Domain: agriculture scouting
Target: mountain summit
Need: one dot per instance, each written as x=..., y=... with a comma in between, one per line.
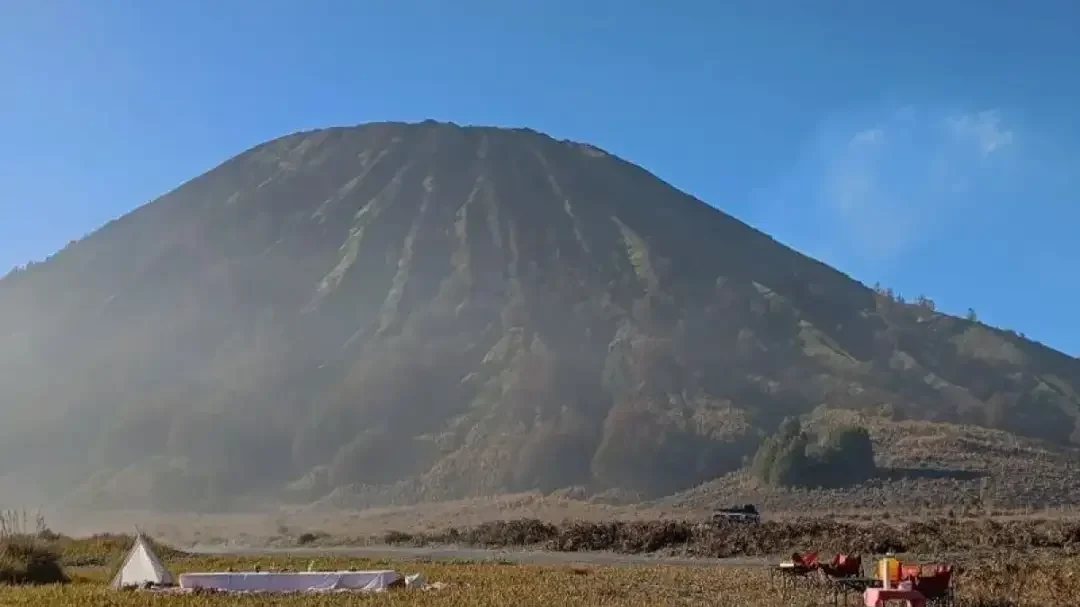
x=425, y=311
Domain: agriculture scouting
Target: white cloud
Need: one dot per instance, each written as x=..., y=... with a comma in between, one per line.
x=888, y=185
x=871, y=188
x=983, y=129
x=858, y=201
x=868, y=137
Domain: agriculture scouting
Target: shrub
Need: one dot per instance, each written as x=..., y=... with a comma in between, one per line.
x=397, y=537
x=733, y=539
x=308, y=538
x=27, y=556
x=28, y=560
x=761, y=468
x=790, y=465
x=843, y=456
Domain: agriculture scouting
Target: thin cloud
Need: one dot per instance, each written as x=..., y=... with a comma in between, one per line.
x=902, y=179
x=868, y=137
x=982, y=129
x=870, y=188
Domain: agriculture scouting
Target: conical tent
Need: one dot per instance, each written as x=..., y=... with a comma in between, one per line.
x=142, y=566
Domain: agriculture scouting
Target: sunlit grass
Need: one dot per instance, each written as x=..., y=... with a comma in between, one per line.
x=466, y=584
x=1007, y=581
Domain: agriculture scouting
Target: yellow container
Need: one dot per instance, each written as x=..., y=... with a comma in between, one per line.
x=889, y=571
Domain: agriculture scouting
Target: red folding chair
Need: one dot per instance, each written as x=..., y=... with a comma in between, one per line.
x=808, y=560
x=937, y=586
x=844, y=565
x=910, y=571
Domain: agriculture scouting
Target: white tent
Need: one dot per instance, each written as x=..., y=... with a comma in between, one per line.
x=142, y=566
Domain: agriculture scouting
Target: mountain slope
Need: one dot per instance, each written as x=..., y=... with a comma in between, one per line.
x=402, y=312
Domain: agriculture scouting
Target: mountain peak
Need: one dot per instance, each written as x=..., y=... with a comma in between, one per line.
x=477, y=310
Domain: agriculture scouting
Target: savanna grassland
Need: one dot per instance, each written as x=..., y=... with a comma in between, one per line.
x=1000, y=563
x=1001, y=582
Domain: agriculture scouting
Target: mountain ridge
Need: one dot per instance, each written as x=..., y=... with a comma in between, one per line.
x=477, y=310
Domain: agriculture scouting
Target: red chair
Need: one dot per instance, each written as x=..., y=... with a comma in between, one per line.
x=808, y=560
x=936, y=587
x=910, y=571
x=800, y=571
x=844, y=565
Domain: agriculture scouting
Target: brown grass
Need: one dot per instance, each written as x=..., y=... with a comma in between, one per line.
x=1006, y=581
x=1001, y=578
x=769, y=538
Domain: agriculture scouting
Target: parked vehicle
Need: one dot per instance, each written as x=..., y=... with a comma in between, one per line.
x=747, y=513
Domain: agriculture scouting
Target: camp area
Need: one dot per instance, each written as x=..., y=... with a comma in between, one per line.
x=138, y=569
x=500, y=582
x=143, y=569
x=846, y=580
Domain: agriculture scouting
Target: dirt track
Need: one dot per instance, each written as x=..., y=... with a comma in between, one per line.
x=479, y=554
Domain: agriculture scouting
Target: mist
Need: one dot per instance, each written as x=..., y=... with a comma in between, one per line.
x=395, y=314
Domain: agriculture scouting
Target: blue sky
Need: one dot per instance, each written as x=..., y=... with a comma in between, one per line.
x=931, y=146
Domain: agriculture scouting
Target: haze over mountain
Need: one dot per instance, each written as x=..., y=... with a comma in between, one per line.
x=424, y=311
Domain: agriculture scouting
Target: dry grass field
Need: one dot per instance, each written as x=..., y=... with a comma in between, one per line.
x=1018, y=563
x=466, y=584
x=1006, y=582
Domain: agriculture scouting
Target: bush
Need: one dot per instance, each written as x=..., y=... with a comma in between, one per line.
x=520, y=532
x=845, y=457
x=842, y=457
x=26, y=559
x=27, y=556
x=397, y=537
x=761, y=468
x=309, y=538
x=734, y=539
x=781, y=458
x=790, y=464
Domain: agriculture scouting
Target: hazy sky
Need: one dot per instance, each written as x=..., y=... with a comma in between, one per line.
x=928, y=145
